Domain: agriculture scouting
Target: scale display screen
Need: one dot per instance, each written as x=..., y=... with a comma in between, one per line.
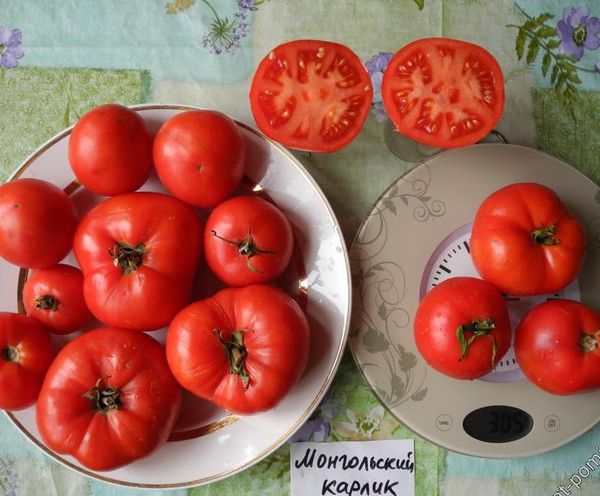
x=498, y=424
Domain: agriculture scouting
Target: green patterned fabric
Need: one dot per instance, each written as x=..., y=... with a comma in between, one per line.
x=76, y=55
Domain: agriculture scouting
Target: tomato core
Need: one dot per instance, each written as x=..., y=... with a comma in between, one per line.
x=103, y=398
x=589, y=342
x=10, y=354
x=46, y=302
x=127, y=257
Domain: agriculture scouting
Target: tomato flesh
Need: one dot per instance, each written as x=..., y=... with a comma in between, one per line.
x=311, y=95
x=442, y=92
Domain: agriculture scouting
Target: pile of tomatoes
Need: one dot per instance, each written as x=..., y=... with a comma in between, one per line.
x=524, y=242
x=112, y=394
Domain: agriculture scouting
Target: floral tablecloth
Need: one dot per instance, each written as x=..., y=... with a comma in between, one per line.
x=59, y=59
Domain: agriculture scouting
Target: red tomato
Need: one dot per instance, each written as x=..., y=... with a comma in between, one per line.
x=138, y=254
x=26, y=352
x=243, y=348
x=462, y=327
x=247, y=240
x=199, y=156
x=110, y=150
x=442, y=92
x=54, y=296
x=108, y=399
x=556, y=346
x=526, y=242
x=311, y=95
x=37, y=222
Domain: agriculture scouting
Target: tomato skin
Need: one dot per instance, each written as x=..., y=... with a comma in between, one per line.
x=199, y=156
x=456, y=302
x=549, y=347
x=149, y=399
x=37, y=222
x=443, y=82
x=238, y=220
x=275, y=335
x=21, y=376
x=311, y=95
x=148, y=294
x=110, y=150
x=504, y=251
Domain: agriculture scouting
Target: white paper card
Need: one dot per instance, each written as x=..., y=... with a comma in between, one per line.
x=354, y=468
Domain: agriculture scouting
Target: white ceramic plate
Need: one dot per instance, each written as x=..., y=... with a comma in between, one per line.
x=417, y=235
x=217, y=445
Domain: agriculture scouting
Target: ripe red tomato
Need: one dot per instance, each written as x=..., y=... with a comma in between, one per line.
x=462, y=327
x=108, y=399
x=138, y=254
x=26, y=352
x=247, y=240
x=526, y=242
x=110, y=150
x=557, y=347
x=37, y=222
x=54, y=296
x=199, y=156
x=442, y=92
x=243, y=348
x=311, y=95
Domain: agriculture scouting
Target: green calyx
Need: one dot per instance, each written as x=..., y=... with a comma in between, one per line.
x=46, y=302
x=545, y=236
x=246, y=248
x=128, y=258
x=103, y=397
x=236, y=354
x=478, y=328
x=589, y=342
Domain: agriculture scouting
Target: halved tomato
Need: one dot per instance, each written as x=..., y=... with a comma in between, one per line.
x=311, y=95
x=443, y=93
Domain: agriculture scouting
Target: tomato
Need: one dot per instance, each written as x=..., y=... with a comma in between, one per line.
x=243, y=348
x=247, y=240
x=108, y=399
x=37, y=222
x=110, y=150
x=557, y=347
x=462, y=327
x=442, y=92
x=54, y=296
x=199, y=156
x=26, y=352
x=311, y=95
x=138, y=253
x=525, y=241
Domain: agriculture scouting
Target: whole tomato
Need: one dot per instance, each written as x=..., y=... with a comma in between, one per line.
x=557, y=347
x=54, y=296
x=243, y=349
x=26, y=352
x=462, y=327
x=110, y=150
x=138, y=253
x=199, y=156
x=526, y=242
x=37, y=222
x=247, y=240
x=108, y=399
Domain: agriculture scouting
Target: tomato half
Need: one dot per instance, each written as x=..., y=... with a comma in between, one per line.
x=311, y=95
x=557, y=347
x=442, y=92
x=525, y=241
x=110, y=150
x=243, y=348
x=138, y=253
x=26, y=352
x=37, y=222
x=108, y=399
x=199, y=156
x=54, y=296
x=247, y=240
x=462, y=328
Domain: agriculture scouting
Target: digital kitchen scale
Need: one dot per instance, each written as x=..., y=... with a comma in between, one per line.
x=417, y=235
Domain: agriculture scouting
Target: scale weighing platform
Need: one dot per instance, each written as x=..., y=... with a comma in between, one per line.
x=417, y=235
